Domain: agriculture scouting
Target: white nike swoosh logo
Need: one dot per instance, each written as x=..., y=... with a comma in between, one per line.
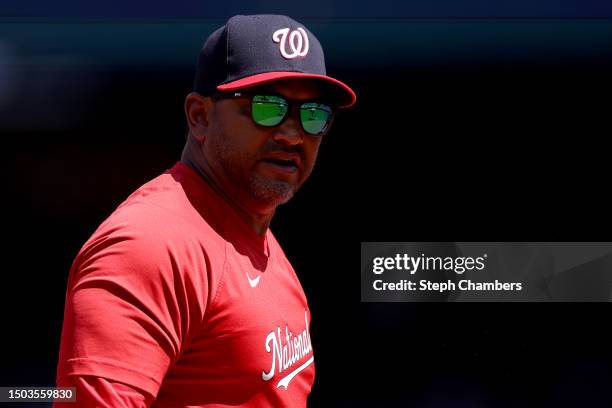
x=253, y=282
x=285, y=381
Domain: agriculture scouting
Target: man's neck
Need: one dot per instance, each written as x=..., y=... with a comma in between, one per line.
x=259, y=222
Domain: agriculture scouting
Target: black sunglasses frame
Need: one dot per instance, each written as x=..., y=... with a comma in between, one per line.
x=290, y=104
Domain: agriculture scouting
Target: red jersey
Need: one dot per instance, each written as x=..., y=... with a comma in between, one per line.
x=175, y=301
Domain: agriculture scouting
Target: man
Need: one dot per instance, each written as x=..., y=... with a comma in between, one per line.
x=183, y=297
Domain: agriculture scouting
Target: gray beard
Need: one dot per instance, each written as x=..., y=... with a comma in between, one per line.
x=271, y=191
x=262, y=189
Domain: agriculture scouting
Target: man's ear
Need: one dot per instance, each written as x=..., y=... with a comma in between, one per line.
x=197, y=112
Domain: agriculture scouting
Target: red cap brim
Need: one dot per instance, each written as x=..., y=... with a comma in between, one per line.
x=347, y=97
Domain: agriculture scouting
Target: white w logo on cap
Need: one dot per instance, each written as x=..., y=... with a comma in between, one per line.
x=298, y=42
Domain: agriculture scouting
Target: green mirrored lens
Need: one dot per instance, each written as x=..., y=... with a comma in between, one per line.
x=268, y=110
x=315, y=117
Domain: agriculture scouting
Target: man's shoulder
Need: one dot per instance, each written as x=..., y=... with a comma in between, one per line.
x=164, y=216
x=149, y=235
x=154, y=206
x=163, y=191
x=158, y=214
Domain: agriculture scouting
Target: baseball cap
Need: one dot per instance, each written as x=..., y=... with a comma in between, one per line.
x=257, y=49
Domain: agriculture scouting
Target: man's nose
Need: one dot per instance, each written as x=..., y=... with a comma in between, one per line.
x=289, y=131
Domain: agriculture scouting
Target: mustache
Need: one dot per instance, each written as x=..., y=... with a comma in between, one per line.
x=277, y=148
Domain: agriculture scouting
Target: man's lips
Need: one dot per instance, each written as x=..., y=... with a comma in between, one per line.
x=289, y=161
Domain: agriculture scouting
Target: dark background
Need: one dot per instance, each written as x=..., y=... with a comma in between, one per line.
x=475, y=121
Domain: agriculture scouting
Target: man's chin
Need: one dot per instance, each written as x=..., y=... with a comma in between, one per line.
x=271, y=192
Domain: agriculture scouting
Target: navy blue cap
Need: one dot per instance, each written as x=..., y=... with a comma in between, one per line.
x=253, y=50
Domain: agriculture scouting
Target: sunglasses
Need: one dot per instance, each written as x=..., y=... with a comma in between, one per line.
x=272, y=110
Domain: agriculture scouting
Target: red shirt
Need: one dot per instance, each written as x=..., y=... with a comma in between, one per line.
x=175, y=301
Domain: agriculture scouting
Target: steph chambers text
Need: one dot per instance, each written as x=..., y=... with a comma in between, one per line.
x=425, y=285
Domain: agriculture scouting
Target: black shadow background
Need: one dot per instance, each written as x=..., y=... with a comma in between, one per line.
x=496, y=146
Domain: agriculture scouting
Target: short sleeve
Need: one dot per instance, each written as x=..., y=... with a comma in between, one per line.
x=134, y=297
x=102, y=393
